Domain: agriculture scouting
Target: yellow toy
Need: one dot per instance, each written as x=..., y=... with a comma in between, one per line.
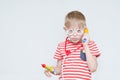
x=85, y=32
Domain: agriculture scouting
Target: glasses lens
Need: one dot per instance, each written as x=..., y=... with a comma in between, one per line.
x=77, y=31
x=70, y=31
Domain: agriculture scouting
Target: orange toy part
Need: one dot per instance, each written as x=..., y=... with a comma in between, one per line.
x=86, y=30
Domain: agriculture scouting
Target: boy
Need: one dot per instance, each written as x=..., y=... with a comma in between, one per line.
x=70, y=65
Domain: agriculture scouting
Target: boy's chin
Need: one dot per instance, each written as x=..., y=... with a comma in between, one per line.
x=75, y=41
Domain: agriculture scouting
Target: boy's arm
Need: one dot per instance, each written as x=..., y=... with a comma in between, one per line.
x=91, y=60
x=58, y=67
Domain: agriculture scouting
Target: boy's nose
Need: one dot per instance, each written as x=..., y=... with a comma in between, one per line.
x=74, y=33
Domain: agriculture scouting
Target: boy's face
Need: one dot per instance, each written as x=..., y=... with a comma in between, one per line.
x=74, y=32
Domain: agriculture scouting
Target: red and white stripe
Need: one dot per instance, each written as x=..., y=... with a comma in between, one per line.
x=73, y=68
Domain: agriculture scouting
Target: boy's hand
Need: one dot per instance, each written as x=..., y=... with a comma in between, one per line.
x=57, y=70
x=47, y=73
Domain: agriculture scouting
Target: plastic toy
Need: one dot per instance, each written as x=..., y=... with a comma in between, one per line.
x=85, y=32
x=49, y=68
x=82, y=52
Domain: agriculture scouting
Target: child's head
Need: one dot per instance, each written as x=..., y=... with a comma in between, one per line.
x=74, y=25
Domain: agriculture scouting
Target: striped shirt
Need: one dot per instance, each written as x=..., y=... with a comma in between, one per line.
x=74, y=68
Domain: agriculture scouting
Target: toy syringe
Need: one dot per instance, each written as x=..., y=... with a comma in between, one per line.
x=49, y=68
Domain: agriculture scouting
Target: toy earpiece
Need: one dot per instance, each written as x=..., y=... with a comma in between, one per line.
x=68, y=52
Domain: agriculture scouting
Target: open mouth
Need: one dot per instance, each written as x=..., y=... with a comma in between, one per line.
x=75, y=39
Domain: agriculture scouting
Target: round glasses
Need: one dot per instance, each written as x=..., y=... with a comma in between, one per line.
x=74, y=31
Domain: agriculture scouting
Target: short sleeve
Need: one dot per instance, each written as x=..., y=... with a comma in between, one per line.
x=58, y=53
x=94, y=49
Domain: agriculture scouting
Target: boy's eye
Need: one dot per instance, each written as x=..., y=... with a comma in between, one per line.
x=78, y=31
x=70, y=31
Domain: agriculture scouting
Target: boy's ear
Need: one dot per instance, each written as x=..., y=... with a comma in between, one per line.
x=64, y=28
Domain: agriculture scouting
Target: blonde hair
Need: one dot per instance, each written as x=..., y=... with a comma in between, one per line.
x=75, y=16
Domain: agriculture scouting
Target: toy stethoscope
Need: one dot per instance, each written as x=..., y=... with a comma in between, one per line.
x=82, y=52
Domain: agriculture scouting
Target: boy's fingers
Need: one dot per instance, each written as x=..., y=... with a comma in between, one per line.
x=47, y=73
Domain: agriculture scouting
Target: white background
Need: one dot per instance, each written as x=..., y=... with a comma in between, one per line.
x=31, y=29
